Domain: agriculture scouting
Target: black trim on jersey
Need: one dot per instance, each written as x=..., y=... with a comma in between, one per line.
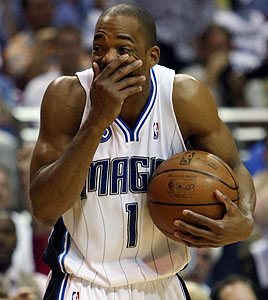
x=184, y=287
x=54, y=248
x=54, y=285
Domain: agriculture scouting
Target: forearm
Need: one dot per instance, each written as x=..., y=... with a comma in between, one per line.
x=57, y=186
x=247, y=192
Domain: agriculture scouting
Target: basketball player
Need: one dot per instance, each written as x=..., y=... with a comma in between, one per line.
x=102, y=134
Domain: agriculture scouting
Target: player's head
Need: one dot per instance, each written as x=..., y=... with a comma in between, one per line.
x=125, y=29
x=146, y=24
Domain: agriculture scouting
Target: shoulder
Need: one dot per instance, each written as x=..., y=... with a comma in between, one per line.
x=67, y=90
x=187, y=87
x=63, y=105
x=193, y=104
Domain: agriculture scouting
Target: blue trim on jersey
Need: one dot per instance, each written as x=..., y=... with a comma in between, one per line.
x=121, y=126
x=133, y=135
x=62, y=288
x=150, y=105
x=65, y=248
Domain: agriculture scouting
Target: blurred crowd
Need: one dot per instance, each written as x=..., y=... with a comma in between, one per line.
x=223, y=43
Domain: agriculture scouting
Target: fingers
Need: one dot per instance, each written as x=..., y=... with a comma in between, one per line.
x=119, y=68
x=126, y=70
x=192, y=240
x=130, y=82
x=196, y=218
x=117, y=77
x=130, y=91
x=225, y=200
x=96, y=69
x=111, y=67
x=196, y=236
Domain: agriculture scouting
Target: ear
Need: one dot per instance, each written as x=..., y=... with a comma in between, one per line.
x=154, y=55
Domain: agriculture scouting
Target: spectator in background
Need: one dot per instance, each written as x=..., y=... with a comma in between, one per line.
x=8, y=24
x=243, y=7
x=258, y=249
x=72, y=12
x=249, y=30
x=255, y=84
x=71, y=59
x=199, y=269
x=13, y=282
x=19, y=51
x=250, y=257
x=23, y=222
x=178, y=24
x=213, y=66
x=233, y=287
x=8, y=145
x=5, y=188
x=40, y=233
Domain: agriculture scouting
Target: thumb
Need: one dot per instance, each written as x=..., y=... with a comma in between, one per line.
x=223, y=199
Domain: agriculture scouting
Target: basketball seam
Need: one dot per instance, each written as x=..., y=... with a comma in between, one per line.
x=164, y=230
x=199, y=172
x=189, y=204
x=225, y=166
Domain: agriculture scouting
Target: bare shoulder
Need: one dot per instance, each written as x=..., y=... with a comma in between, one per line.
x=67, y=90
x=189, y=90
x=61, y=113
x=194, y=105
x=63, y=104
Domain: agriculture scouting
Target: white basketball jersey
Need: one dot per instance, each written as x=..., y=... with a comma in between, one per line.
x=108, y=237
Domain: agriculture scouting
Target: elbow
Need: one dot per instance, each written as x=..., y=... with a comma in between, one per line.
x=41, y=212
x=43, y=218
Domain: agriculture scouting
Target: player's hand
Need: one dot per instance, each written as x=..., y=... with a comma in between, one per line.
x=112, y=86
x=234, y=227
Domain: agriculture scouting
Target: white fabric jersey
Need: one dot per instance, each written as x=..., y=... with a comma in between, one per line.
x=110, y=238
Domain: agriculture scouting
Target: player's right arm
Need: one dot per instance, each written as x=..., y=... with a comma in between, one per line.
x=59, y=160
x=64, y=150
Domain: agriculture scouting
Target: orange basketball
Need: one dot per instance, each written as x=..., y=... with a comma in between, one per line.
x=188, y=180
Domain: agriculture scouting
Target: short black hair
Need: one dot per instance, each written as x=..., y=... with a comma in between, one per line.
x=146, y=22
x=69, y=28
x=214, y=28
x=230, y=279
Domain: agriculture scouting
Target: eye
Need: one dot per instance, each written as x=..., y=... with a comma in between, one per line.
x=123, y=50
x=97, y=50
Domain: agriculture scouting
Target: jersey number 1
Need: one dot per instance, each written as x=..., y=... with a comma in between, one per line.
x=132, y=233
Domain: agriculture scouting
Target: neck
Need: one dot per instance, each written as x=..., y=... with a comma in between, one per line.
x=134, y=105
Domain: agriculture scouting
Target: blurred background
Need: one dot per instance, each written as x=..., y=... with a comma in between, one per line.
x=223, y=43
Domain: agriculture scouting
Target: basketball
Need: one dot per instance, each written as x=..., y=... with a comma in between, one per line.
x=188, y=180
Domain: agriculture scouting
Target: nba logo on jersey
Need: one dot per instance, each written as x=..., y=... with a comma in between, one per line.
x=155, y=130
x=75, y=296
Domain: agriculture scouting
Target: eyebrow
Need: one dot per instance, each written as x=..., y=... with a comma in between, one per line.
x=119, y=36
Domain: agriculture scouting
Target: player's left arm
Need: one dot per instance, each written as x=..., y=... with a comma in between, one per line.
x=200, y=124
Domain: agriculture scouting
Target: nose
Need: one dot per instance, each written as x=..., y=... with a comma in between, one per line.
x=110, y=56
